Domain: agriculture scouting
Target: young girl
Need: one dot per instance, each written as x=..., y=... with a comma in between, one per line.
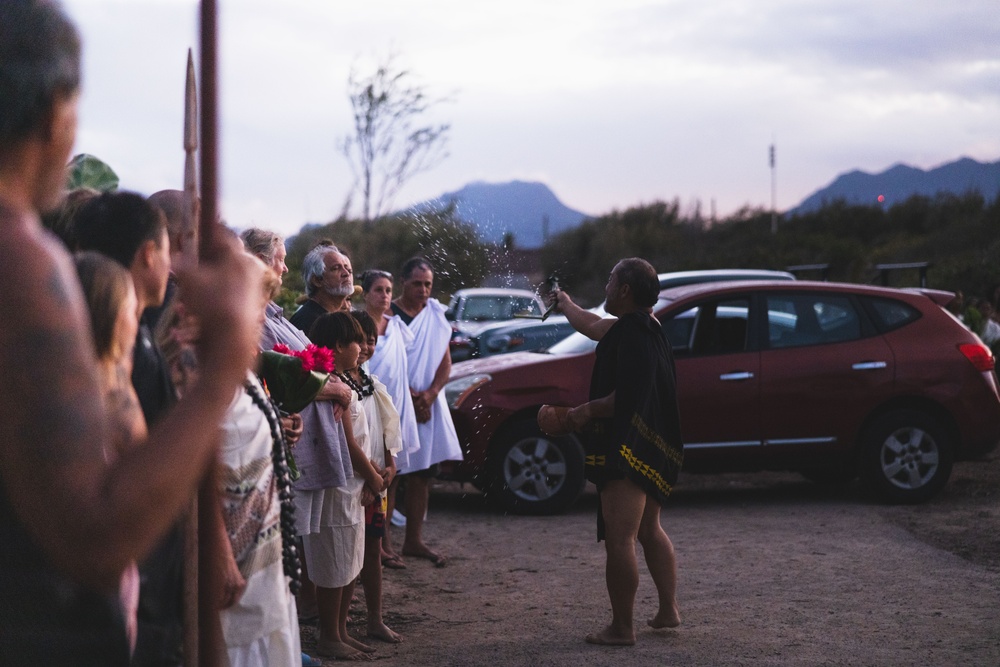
x=114, y=322
x=384, y=443
x=334, y=559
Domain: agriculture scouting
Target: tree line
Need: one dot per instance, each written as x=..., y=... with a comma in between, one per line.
x=959, y=235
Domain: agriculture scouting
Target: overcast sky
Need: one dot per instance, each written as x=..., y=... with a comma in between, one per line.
x=611, y=103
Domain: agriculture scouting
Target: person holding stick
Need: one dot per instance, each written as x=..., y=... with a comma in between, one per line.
x=71, y=521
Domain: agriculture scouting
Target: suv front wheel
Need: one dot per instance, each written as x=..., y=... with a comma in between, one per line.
x=533, y=473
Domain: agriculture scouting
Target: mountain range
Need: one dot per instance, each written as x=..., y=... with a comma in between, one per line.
x=531, y=212
x=900, y=182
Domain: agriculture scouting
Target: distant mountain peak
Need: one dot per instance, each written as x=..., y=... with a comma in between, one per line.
x=528, y=210
x=901, y=181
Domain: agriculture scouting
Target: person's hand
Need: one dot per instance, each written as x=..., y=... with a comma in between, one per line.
x=562, y=300
x=223, y=293
x=233, y=585
x=292, y=426
x=420, y=407
x=388, y=473
x=373, y=477
x=578, y=417
x=367, y=496
x=335, y=390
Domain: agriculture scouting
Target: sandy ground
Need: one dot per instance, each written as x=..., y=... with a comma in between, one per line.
x=774, y=570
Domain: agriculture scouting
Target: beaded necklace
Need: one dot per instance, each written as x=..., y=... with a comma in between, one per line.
x=364, y=388
x=289, y=552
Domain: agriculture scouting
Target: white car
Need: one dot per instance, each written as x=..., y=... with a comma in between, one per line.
x=474, y=309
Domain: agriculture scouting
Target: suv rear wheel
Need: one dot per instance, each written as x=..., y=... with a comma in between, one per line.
x=906, y=456
x=534, y=473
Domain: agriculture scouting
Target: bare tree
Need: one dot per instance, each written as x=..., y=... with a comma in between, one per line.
x=388, y=146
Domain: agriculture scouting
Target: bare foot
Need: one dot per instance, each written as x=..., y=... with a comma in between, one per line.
x=425, y=552
x=354, y=643
x=339, y=651
x=608, y=637
x=669, y=618
x=382, y=632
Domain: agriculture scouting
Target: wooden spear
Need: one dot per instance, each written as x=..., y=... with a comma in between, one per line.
x=189, y=256
x=209, y=629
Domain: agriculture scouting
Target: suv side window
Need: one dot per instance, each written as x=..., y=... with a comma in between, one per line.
x=717, y=327
x=795, y=320
x=890, y=314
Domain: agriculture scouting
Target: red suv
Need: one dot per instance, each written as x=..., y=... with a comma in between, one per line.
x=832, y=380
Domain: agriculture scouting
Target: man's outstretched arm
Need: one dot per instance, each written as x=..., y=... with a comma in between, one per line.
x=91, y=518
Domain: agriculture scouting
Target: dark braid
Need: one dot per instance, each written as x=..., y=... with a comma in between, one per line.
x=289, y=552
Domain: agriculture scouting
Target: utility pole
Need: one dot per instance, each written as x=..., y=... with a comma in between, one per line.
x=774, y=192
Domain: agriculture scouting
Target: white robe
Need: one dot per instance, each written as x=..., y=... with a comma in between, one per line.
x=438, y=440
x=389, y=365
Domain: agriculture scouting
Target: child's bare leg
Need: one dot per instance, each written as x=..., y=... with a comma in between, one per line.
x=330, y=643
x=371, y=579
x=347, y=592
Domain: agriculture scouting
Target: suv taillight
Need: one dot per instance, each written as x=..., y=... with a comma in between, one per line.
x=979, y=355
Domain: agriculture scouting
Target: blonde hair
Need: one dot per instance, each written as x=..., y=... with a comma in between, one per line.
x=106, y=284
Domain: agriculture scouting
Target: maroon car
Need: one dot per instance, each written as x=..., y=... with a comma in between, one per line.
x=832, y=380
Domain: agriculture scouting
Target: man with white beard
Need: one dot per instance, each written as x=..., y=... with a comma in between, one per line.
x=329, y=281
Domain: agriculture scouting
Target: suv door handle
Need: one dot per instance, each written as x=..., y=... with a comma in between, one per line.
x=869, y=365
x=741, y=375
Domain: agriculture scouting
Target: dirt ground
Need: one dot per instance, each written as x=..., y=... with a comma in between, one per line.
x=773, y=570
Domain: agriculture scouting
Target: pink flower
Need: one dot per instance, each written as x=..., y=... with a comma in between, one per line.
x=324, y=358
x=313, y=358
x=308, y=361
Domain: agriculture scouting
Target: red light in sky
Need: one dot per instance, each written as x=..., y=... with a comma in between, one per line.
x=881, y=199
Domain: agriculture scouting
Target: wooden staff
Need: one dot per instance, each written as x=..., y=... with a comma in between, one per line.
x=209, y=629
x=189, y=256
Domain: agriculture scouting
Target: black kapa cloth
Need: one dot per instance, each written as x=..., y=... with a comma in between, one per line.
x=642, y=442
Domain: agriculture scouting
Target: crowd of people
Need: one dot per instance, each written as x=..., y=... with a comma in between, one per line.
x=129, y=379
x=132, y=379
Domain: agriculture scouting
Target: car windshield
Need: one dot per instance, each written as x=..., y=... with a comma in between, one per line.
x=577, y=343
x=482, y=308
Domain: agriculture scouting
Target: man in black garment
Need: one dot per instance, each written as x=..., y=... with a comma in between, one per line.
x=70, y=520
x=635, y=447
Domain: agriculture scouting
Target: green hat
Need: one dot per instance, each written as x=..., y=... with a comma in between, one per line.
x=87, y=171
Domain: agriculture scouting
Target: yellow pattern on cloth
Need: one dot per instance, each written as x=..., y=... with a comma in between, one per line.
x=654, y=438
x=645, y=470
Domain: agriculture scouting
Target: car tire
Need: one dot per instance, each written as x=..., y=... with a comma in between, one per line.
x=534, y=473
x=906, y=456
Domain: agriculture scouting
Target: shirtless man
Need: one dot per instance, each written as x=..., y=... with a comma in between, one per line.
x=70, y=522
x=636, y=442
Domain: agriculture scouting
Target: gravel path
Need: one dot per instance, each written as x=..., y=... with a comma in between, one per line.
x=773, y=571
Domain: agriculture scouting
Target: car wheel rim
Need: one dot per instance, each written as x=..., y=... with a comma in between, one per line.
x=910, y=458
x=534, y=469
